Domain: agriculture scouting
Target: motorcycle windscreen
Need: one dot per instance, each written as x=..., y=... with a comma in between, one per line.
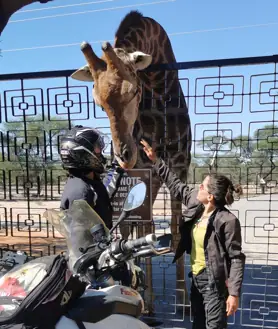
x=75, y=225
x=16, y=284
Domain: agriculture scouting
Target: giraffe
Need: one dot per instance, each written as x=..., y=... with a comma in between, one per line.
x=143, y=103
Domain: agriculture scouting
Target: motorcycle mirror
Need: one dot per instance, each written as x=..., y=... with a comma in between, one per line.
x=135, y=197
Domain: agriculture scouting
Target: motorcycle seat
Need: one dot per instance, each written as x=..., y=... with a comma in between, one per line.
x=93, y=309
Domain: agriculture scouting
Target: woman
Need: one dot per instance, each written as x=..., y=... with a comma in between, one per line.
x=211, y=235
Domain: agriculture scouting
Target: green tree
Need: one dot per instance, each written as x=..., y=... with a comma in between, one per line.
x=219, y=154
x=198, y=169
x=30, y=151
x=265, y=152
x=245, y=159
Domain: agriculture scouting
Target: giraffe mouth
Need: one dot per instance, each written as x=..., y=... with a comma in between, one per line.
x=125, y=149
x=122, y=163
x=126, y=158
x=120, y=157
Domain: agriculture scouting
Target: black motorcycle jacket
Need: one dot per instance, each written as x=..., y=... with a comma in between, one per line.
x=97, y=192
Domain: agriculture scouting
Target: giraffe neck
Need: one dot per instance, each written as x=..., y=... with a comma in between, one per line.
x=170, y=132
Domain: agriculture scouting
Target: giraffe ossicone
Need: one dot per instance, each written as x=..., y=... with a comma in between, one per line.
x=141, y=60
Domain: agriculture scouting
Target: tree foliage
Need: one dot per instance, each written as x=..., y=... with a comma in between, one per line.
x=246, y=159
x=30, y=155
x=30, y=152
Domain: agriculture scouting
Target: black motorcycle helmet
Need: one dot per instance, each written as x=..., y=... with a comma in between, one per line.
x=81, y=149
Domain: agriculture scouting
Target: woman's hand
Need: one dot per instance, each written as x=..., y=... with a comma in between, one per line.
x=232, y=305
x=149, y=151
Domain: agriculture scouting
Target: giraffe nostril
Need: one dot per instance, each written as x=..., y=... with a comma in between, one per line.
x=125, y=155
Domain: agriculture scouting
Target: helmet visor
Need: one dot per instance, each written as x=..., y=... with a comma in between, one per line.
x=100, y=144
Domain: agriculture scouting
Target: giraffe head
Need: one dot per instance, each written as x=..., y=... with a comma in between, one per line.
x=117, y=88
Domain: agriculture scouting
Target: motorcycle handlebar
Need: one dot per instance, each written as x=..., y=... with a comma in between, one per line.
x=141, y=242
x=124, y=246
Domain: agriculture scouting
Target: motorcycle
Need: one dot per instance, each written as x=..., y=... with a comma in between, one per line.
x=106, y=264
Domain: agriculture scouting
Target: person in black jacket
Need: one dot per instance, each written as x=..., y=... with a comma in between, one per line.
x=211, y=235
x=81, y=155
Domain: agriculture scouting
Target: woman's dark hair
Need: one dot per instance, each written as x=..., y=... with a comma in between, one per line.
x=223, y=189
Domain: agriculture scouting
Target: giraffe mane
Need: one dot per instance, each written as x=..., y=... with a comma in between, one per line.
x=132, y=19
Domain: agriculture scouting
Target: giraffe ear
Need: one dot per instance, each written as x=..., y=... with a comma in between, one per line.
x=141, y=60
x=83, y=74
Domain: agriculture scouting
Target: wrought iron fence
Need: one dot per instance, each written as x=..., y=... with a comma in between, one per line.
x=233, y=110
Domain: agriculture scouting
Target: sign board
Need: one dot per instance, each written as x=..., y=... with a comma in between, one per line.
x=133, y=177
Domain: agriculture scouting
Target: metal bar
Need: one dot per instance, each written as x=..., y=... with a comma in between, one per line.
x=215, y=63
x=172, y=66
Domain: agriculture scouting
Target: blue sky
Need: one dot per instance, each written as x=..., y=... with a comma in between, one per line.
x=198, y=29
x=174, y=16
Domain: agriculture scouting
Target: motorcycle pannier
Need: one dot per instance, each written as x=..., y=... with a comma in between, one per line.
x=36, y=294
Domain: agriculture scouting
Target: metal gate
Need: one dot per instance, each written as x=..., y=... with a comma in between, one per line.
x=233, y=110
